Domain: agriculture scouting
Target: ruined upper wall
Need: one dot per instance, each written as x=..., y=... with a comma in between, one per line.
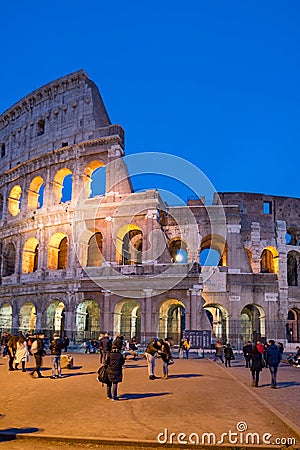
x=64, y=112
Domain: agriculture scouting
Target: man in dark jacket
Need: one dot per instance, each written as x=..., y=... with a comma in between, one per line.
x=105, y=345
x=154, y=345
x=272, y=357
x=114, y=363
x=247, y=349
x=56, y=347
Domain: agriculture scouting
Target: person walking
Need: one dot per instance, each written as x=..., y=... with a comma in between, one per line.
x=273, y=357
x=187, y=346
x=166, y=356
x=22, y=353
x=181, y=348
x=12, y=348
x=247, y=349
x=56, y=347
x=256, y=365
x=219, y=351
x=114, y=362
x=66, y=342
x=154, y=345
x=228, y=353
x=38, y=351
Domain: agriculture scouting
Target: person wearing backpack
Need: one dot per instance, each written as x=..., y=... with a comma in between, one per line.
x=38, y=351
x=114, y=363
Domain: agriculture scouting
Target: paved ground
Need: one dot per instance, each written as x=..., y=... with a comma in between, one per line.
x=199, y=397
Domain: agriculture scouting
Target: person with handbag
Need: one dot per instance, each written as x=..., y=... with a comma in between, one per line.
x=166, y=357
x=256, y=365
x=114, y=363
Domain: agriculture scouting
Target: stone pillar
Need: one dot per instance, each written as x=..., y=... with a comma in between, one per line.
x=255, y=240
x=108, y=315
x=148, y=322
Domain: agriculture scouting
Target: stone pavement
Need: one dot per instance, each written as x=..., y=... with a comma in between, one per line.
x=199, y=397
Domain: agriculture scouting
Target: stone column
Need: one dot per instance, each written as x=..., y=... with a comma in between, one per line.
x=148, y=322
x=255, y=240
x=107, y=313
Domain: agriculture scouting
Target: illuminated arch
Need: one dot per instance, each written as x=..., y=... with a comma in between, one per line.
x=218, y=317
x=36, y=193
x=129, y=245
x=58, y=251
x=59, y=185
x=171, y=319
x=87, y=175
x=178, y=250
x=213, y=251
x=6, y=317
x=27, y=317
x=14, y=200
x=127, y=319
x=269, y=262
x=55, y=316
x=94, y=256
x=88, y=319
x=253, y=323
x=293, y=263
x=249, y=255
x=30, y=256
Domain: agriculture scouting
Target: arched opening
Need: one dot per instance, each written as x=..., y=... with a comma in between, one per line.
x=94, y=258
x=178, y=251
x=58, y=252
x=213, y=251
x=293, y=236
x=129, y=245
x=30, y=256
x=127, y=319
x=1, y=206
x=88, y=320
x=27, y=317
x=15, y=200
x=171, y=320
x=253, y=327
x=95, y=179
x=249, y=255
x=218, y=318
x=62, y=185
x=269, y=260
x=293, y=264
x=293, y=325
x=36, y=193
x=55, y=318
x=9, y=260
x=6, y=317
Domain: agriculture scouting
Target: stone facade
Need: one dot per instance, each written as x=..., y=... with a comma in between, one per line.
x=78, y=261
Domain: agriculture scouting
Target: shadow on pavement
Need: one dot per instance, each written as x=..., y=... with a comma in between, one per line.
x=9, y=434
x=142, y=395
x=186, y=375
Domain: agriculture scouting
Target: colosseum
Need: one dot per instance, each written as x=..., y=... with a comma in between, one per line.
x=81, y=256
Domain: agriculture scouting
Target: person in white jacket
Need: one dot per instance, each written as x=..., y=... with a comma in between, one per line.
x=22, y=353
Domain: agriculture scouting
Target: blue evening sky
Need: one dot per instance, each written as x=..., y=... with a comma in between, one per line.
x=214, y=82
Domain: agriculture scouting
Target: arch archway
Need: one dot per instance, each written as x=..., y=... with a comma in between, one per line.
x=293, y=325
x=88, y=320
x=218, y=318
x=15, y=200
x=30, y=256
x=58, y=251
x=178, y=251
x=55, y=317
x=36, y=193
x=94, y=178
x=293, y=264
x=269, y=262
x=253, y=324
x=127, y=319
x=27, y=317
x=6, y=317
x=129, y=245
x=213, y=251
x=9, y=260
x=171, y=319
x=62, y=185
x=94, y=256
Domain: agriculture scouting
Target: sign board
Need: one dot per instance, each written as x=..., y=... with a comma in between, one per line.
x=198, y=338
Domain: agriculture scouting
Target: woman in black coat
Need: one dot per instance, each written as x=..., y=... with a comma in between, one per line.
x=256, y=365
x=114, y=363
